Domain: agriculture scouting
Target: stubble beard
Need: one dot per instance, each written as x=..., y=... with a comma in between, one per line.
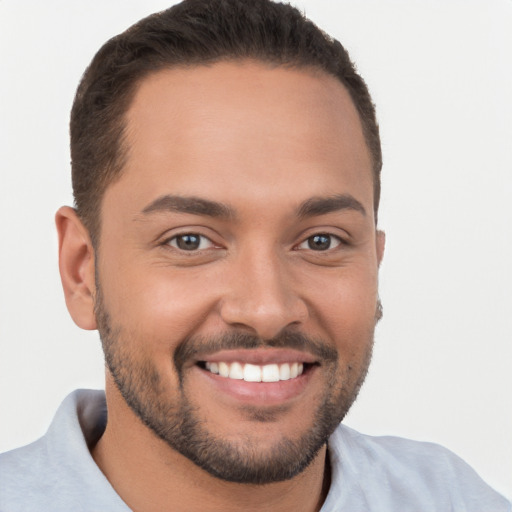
x=173, y=418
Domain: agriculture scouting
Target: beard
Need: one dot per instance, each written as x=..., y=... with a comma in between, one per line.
x=171, y=415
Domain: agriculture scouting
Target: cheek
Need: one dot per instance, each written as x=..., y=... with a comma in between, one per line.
x=157, y=305
x=345, y=306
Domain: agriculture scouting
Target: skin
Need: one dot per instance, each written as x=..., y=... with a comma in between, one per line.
x=261, y=142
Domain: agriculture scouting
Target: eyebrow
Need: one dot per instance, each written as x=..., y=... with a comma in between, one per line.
x=199, y=206
x=192, y=205
x=323, y=205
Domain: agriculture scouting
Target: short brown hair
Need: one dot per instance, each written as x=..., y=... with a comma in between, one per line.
x=194, y=32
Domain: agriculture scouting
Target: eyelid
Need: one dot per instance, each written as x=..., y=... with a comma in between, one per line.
x=335, y=232
x=303, y=245
x=165, y=238
x=202, y=238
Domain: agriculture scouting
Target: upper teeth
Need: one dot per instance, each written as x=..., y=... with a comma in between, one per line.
x=256, y=373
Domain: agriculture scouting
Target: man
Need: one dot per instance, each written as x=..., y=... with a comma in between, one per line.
x=226, y=172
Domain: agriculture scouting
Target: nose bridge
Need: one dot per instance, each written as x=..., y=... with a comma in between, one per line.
x=262, y=293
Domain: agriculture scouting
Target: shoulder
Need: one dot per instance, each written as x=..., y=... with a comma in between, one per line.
x=57, y=472
x=397, y=473
x=26, y=475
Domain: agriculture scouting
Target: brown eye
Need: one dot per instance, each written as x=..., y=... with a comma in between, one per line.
x=190, y=242
x=320, y=242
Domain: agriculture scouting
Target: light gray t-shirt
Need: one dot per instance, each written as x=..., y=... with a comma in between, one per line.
x=58, y=474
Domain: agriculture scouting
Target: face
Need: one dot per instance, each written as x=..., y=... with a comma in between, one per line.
x=237, y=265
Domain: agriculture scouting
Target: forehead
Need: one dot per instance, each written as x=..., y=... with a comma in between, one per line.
x=244, y=124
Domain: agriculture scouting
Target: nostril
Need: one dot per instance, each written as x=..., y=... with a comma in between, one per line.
x=263, y=307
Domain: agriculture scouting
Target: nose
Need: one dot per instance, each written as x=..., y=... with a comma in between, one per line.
x=262, y=296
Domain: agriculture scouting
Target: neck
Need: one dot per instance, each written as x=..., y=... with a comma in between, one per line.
x=151, y=476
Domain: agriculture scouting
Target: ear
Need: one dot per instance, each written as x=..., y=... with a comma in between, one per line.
x=76, y=265
x=381, y=243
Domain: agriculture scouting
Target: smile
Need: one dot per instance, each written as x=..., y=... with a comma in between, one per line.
x=260, y=377
x=255, y=373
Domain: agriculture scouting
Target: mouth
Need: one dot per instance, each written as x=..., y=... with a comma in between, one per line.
x=248, y=372
x=259, y=377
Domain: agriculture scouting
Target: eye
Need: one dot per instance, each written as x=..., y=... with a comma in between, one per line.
x=321, y=242
x=190, y=242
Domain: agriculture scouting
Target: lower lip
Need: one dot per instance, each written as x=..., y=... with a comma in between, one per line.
x=258, y=393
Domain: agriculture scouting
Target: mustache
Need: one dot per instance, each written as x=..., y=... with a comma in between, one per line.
x=194, y=345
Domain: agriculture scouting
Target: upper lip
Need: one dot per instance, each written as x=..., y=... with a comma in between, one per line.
x=259, y=356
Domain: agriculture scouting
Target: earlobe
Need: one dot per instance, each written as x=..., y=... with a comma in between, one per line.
x=381, y=243
x=76, y=266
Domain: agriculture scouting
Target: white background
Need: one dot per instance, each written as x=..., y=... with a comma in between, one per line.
x=440, y=73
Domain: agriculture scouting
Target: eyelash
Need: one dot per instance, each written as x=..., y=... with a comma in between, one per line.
x=175, y=242
x=339, y=241
x=182, y=236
